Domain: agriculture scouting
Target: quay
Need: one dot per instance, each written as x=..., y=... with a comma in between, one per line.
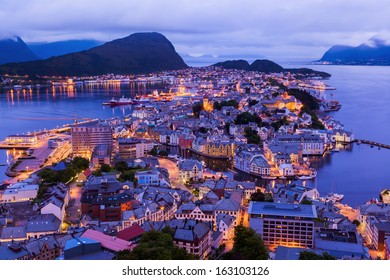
x=372, y=143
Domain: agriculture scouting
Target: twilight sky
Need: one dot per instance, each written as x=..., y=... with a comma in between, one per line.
x=283, y=30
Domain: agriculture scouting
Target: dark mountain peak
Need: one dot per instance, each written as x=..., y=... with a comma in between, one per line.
x=234, y=64
x=375, y=51
x=14, y=49
x=265, y=65
x=134, y=54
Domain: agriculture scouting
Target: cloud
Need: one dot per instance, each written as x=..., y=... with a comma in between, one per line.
x=264, y=28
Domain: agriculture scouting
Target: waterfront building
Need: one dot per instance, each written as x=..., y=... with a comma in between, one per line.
x=190, y=170
x=86, y=137
x=311, y=144
x=342, y=136
x=259, y=165
x=220, y=148
x=283, y=224
x=21, y=139
x=294, y=193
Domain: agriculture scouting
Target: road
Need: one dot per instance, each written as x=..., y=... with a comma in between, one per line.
x=173, y=173
x=74, y=210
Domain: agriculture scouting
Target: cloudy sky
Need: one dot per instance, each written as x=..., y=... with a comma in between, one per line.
x=283, y=30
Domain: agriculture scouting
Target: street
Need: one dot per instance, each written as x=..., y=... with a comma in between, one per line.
x=73, y=211
x=173, y=173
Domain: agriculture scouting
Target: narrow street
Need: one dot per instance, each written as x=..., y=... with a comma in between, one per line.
x=173, y=173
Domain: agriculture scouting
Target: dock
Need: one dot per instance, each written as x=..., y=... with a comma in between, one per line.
x=372, y=143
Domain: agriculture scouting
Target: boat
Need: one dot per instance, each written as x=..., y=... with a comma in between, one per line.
x=141, y=99
x=312, y=175
x=121, y=101
x=334, y=197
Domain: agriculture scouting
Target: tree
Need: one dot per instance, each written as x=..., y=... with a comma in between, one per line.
x=218, y=105
x=163, y=153
x=105, y=168
x=80, y=163
x=258, y=196
x=251, y=136
x=306, y=201
x=356, y=223
x=153, y=151
x=196, y=109
x=248, y=245
x=156, y=245
x=121, y=166
x=252, y=102
x=307, y=255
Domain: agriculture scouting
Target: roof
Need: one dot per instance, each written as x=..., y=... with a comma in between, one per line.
x=227, y=204
x=288, y=253
x=188, y=165
x=12, y=252
x=43, y=223
x=34, y=246
x=282, y=209
x=109, y=242
x=13, y=233
x=131, y=233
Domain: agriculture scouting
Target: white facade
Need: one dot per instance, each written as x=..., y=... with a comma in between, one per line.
x=20, y=193
x=56, y=210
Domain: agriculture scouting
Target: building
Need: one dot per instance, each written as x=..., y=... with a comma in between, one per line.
x=154, y=177
x=86, y=137
x=110, y=243
x=199, y=212
x=283, y=224
x=43, y=224
x=101, y=155
x=195, y=238
x=259, y=166
x=21, y=139
x=12, y=234
x=224, y=149
x=294, y=193
x=19, y=192
x=311, y=144
x=132, y=148
x=190, y=170
x=44, y=248
x=225, y=224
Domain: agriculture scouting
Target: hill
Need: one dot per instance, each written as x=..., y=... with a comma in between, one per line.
x=135, y=54
x=15, y=50
x=268, y=66
x=373, y=52
x=47, y=50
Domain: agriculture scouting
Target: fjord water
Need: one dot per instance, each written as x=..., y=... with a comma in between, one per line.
x=364, y=91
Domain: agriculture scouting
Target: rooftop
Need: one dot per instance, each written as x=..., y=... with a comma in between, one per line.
x=282, y=209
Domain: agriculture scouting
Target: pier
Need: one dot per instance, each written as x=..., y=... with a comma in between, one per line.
x=372, y=143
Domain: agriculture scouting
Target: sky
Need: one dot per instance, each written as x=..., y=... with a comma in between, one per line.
x=282, y=30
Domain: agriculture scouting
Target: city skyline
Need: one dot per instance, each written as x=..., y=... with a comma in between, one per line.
x=293, y=31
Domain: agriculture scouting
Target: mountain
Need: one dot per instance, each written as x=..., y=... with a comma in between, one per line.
x=234, y=64
x=15, y=50
x=135, y=54
x=373, y=52
x=268, y=66
x=47, y=50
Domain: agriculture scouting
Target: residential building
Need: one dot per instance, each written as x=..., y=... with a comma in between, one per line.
x=43, y=224
x=195, y=238
x=190, y=170
x=225, y=224
x=283, y=224
x=19, y=192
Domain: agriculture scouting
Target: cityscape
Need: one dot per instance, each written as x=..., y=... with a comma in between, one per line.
x=124, y=151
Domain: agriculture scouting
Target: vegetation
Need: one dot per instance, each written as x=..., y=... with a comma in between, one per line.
x=163, y=153
x=276, y=125
x=356, y=223
x=246, y=117
x=105, y=168
x=260, y=196
x=218, y=105
x=156, y=245
x=252, y=136
x=252, y=102
x=197, y=108
x=248, y=245
x=306, y=255
x=306, y=201
x=77, y=165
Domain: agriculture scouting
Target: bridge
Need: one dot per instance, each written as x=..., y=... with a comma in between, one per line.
x=372, y=143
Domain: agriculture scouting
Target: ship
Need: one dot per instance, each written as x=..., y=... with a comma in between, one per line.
x=334, y=197
x=121, y=101
x=332, y=105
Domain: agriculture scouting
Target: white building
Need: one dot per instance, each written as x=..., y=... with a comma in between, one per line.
x=190, y=170
x=19, y=193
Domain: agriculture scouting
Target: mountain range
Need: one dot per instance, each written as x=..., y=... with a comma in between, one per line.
x=268, y=66
x=373, y=52
x=15, y=50
x=135, y=54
